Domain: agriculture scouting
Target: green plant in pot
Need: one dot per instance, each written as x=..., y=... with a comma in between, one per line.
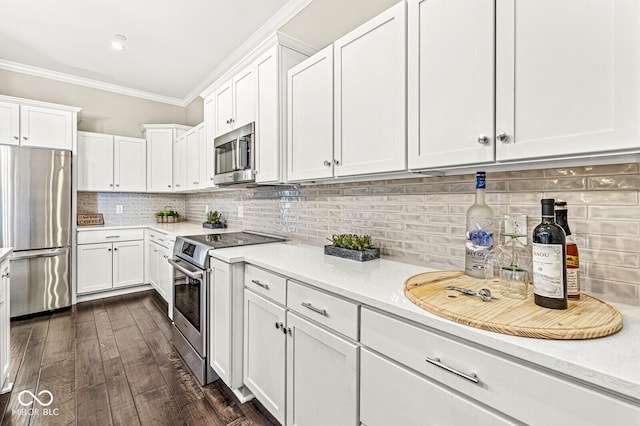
x=172, y=216
x=352, y=246
x=214, y=220
x=160, y=217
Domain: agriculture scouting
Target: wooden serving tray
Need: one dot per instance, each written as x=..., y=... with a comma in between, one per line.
x=586, y=318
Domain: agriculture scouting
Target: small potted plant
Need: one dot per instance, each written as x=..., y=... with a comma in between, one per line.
x=160, y=217
x=214, y=220
x=352, y=246
x=172, y=216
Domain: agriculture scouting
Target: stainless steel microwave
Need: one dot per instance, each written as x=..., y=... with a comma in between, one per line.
x=235, y=156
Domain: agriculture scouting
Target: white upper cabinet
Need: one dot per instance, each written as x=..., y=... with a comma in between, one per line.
x=310, y=118
x=370, y=96
x=208, y=133
x=196, y=158
x=9, y=123
x=37, y=124
x=271, y=111
x=160, y=138
x=179, y=163
x=95, y=162
x=567, y=77
x=111, y=163
x=234, y=102
x=451, y=82
x=129, y=164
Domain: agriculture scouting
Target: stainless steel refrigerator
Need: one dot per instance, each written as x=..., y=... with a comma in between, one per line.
x=35, y=219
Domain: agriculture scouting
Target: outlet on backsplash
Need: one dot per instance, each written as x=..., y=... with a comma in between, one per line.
x=119, y=209
x=240, y=211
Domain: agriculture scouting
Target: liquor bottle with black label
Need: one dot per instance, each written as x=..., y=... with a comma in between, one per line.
x=549, y=261
x=479, y=231
x=573, y=259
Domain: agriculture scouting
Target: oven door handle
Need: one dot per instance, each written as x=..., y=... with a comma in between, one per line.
x=195, y=275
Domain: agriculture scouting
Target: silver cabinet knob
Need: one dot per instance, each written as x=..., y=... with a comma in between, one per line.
x=336, y=162
x=25, y=138
x=110, y=184
x=5, y=275
x=483, y=140
x=115, y=249
x=16, y=137
x=327, y=163
x=117, y=184
x=168, y=186
x=503, y=137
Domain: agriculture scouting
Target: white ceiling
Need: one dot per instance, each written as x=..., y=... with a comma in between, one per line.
x=173, y=47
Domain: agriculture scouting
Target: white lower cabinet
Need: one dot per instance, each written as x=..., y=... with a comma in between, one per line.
x=159, y=271
x=5, y=327
x=109, y=259
x=322, y=376
x=264, y=352
x=225, y=322
x=416, y=400
x=482, y=379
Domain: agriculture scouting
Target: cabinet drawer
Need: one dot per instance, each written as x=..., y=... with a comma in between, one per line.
x=109, y=235
x=164, y=240
x=266, y=283
x=529, y=395
x=331, y=311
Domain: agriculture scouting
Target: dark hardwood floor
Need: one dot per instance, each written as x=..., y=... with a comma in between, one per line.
x=111, y=362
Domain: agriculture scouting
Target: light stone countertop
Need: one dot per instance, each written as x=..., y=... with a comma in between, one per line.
x=612, y=362
x=176, y=229
x=5, y=252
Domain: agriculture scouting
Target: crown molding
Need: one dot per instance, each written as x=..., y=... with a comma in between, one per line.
x=86, y=82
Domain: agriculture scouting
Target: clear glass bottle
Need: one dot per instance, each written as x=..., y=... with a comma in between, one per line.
x=573, y=258
x=549, y=261
x=479, y=231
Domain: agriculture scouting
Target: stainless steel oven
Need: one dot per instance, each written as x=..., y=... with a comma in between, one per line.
x=235, y=156
x=190, y=284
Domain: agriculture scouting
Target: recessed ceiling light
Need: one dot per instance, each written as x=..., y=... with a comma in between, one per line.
x=118, y=42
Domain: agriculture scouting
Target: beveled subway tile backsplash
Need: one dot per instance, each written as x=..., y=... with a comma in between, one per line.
x=421, y=220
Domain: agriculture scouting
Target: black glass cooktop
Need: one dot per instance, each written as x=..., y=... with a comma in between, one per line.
x=233, y=239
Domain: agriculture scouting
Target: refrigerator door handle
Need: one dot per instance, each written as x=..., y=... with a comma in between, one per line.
x=33, y=254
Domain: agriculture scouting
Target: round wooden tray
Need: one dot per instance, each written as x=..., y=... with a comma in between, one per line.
x=586, y=318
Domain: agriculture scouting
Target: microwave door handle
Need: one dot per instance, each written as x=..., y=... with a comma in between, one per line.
x=238, y=155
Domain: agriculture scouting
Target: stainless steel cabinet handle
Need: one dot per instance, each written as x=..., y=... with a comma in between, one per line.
x=112, y=236
x=327, y=163
x=483, y=140
x=165, y=256
x=155, y=251
x=25, y=138
x=5, y=275
x=470, y=377
x=263, y=285
x=117, y=184
x=322, y=312
x=177, y=185
x=111, y=184
x=16, y=138
x=336, y=162
x=115, y=249
x=503, y=137
x=279, y=326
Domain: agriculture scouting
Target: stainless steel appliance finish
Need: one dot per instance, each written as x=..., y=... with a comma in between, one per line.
x=35, y=219
x=191, y=280
x=235, y=156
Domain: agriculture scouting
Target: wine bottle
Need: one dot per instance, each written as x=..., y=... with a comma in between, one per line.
x=573, y=258
x=549, y=261
x=479, y=231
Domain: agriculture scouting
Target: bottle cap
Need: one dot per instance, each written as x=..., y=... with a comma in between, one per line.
x=547, y=207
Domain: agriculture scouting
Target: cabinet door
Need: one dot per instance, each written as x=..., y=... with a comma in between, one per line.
x=567, y=77
x=220, y=310
x=264, y=352
x=244, y=97
x=128, y=263
x=268, y=151
x=130, y=164
x=165, y=278
x=179, y=163
x=9, y=123
x=451, y=82
x=95, y=267
x=310, y=118
x=159, y=160
x=152, y=263
x=415, y=399
x=224, y=109
x=46, y=128
x=370, y=96
x=209, y=135
x=194, y=158
x=322, y=371
x=95, y=162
